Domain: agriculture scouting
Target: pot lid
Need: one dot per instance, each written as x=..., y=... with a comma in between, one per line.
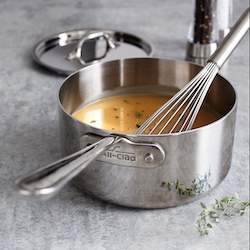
x=70, y=51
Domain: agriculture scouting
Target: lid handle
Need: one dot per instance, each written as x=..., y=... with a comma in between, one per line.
x=77, y=52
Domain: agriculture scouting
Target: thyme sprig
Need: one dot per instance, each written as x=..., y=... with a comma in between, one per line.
x=228, y=206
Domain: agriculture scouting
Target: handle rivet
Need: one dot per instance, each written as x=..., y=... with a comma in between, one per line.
x=149, y=157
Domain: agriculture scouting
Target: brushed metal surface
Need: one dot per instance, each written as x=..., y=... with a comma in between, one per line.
x=198, y=160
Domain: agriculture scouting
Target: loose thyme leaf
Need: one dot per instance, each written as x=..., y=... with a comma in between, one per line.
x=125, y=100
x=139, y=114
x=224, y=200
x=237, y=196
x=203, y=205
x=93, y=121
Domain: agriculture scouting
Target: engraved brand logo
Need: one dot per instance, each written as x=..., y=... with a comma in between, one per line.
x=115, y=153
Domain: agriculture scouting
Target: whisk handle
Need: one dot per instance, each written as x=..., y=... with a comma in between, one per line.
x=230, y=42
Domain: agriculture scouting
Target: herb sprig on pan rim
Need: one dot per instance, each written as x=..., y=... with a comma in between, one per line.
x=228, y=206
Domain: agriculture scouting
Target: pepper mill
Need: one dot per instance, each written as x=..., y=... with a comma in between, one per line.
x=211, y=23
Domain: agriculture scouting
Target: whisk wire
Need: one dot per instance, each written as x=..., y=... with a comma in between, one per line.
x=201, y=96
x=197, y=100
x=195, y=87
x=190, y=98
x=169, y=106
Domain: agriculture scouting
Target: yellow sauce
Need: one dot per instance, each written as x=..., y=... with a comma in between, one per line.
x=126, y=113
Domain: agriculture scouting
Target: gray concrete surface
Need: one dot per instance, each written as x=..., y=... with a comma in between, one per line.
x=29, y=136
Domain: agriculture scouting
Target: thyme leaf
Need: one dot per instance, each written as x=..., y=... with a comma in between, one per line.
x=139, y=115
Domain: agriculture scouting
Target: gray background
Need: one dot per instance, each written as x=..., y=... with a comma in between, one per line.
x=29, y=135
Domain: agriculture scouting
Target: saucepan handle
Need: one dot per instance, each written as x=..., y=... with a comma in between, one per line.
x=45, y=182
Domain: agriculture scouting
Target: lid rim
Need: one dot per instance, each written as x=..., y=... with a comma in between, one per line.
x=66, y=38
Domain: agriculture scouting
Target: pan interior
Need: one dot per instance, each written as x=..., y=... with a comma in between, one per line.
x=140, y=75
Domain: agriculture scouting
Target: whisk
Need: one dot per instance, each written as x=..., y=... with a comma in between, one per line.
x=182, y=109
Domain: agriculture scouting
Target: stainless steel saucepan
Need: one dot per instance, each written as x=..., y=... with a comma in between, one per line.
x=146, y=171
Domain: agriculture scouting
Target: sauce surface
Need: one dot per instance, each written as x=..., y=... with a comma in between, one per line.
x=127, y=112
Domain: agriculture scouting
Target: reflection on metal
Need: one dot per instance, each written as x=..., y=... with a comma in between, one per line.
x=137, y=186
x=199, y=185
